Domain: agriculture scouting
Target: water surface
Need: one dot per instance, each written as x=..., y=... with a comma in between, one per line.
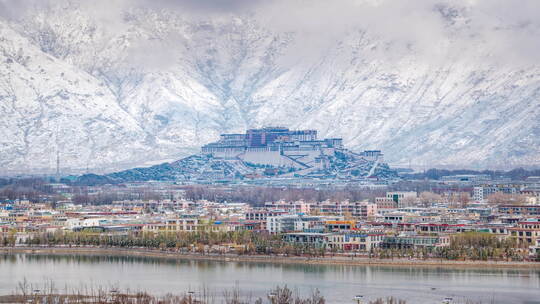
x=338, y=283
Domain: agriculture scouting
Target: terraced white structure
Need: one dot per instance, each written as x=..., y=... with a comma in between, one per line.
x=277, y=147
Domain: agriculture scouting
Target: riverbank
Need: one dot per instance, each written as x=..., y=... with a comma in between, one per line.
x=327, y=260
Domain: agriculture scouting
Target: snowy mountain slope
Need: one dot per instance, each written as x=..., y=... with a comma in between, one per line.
x=160, y=84
x=50, y=107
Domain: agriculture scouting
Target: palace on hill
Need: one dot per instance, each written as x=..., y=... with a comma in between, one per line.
x=279, y=146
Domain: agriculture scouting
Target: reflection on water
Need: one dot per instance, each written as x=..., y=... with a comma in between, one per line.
x=337, y=282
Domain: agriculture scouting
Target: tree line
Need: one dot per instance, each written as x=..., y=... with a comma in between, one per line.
x=463, y=246
x=436, y=174
x=111, y=294
x=257, y=196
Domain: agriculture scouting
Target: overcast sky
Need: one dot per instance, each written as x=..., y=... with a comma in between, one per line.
x=507, y=30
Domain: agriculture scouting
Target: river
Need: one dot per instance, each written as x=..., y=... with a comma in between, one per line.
x=338, y=283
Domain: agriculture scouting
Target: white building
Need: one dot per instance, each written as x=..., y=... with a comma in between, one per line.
x=289, y=223
x=402, y=198
x=478, y=194
x=72, y=223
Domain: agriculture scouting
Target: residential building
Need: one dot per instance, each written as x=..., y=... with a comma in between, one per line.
x=415, y=240
x=400, y=198
x=353, y=241
x=297, y=222
x=185, y=224
x=526, y=233
x=523, y=210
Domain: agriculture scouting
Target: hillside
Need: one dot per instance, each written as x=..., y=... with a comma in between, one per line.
x=148, y=86
x=345, y=166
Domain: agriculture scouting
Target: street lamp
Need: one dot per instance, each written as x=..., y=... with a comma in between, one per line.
x=190, y=296
x=113, y=294
x=272, y=296
x=36, y=293
x=358, y=299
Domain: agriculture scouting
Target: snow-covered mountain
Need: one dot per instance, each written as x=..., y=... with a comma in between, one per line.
x=157, y=84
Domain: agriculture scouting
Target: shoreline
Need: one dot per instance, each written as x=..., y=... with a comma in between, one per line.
x=327, y=260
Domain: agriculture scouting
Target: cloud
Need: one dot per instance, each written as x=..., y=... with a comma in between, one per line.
x=13, y=9
x=431, y=30
x=202, y=6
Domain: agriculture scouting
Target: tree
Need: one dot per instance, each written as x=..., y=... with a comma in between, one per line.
x=426, y=198
x=12, y=237
x=408, y=201
x=464, y=198
x=500, y=198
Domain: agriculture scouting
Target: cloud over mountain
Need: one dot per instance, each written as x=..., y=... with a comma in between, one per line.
x=452, y=83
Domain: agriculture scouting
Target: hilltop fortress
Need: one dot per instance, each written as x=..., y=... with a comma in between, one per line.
x=300, y=150
x=274, y=153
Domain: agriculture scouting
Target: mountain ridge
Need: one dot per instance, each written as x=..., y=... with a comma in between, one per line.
x=162, y=84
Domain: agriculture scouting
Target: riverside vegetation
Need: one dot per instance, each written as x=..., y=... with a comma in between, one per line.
x=463, y=246
x=48, y=293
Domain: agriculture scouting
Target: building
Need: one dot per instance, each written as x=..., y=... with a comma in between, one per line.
x=478, y=194
x=346, y=208
x=74, y=223
x=276, y=146
x=292, y=207
x=439, y=227
x=266, y=136
x=262, y=214
x=533, y=194
x=525, y=210
x=385, y=203
x=415, y=240
x=184, y=224
x=340, y=225
x=311, y=239
x=353, y=241
x=482, y=192
x=527, y=233
x=364, y=209
x=297, y=222
x=398, y=199
x=465, y=178
x=398, y=217
x=269, y=139
x=373, y=155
